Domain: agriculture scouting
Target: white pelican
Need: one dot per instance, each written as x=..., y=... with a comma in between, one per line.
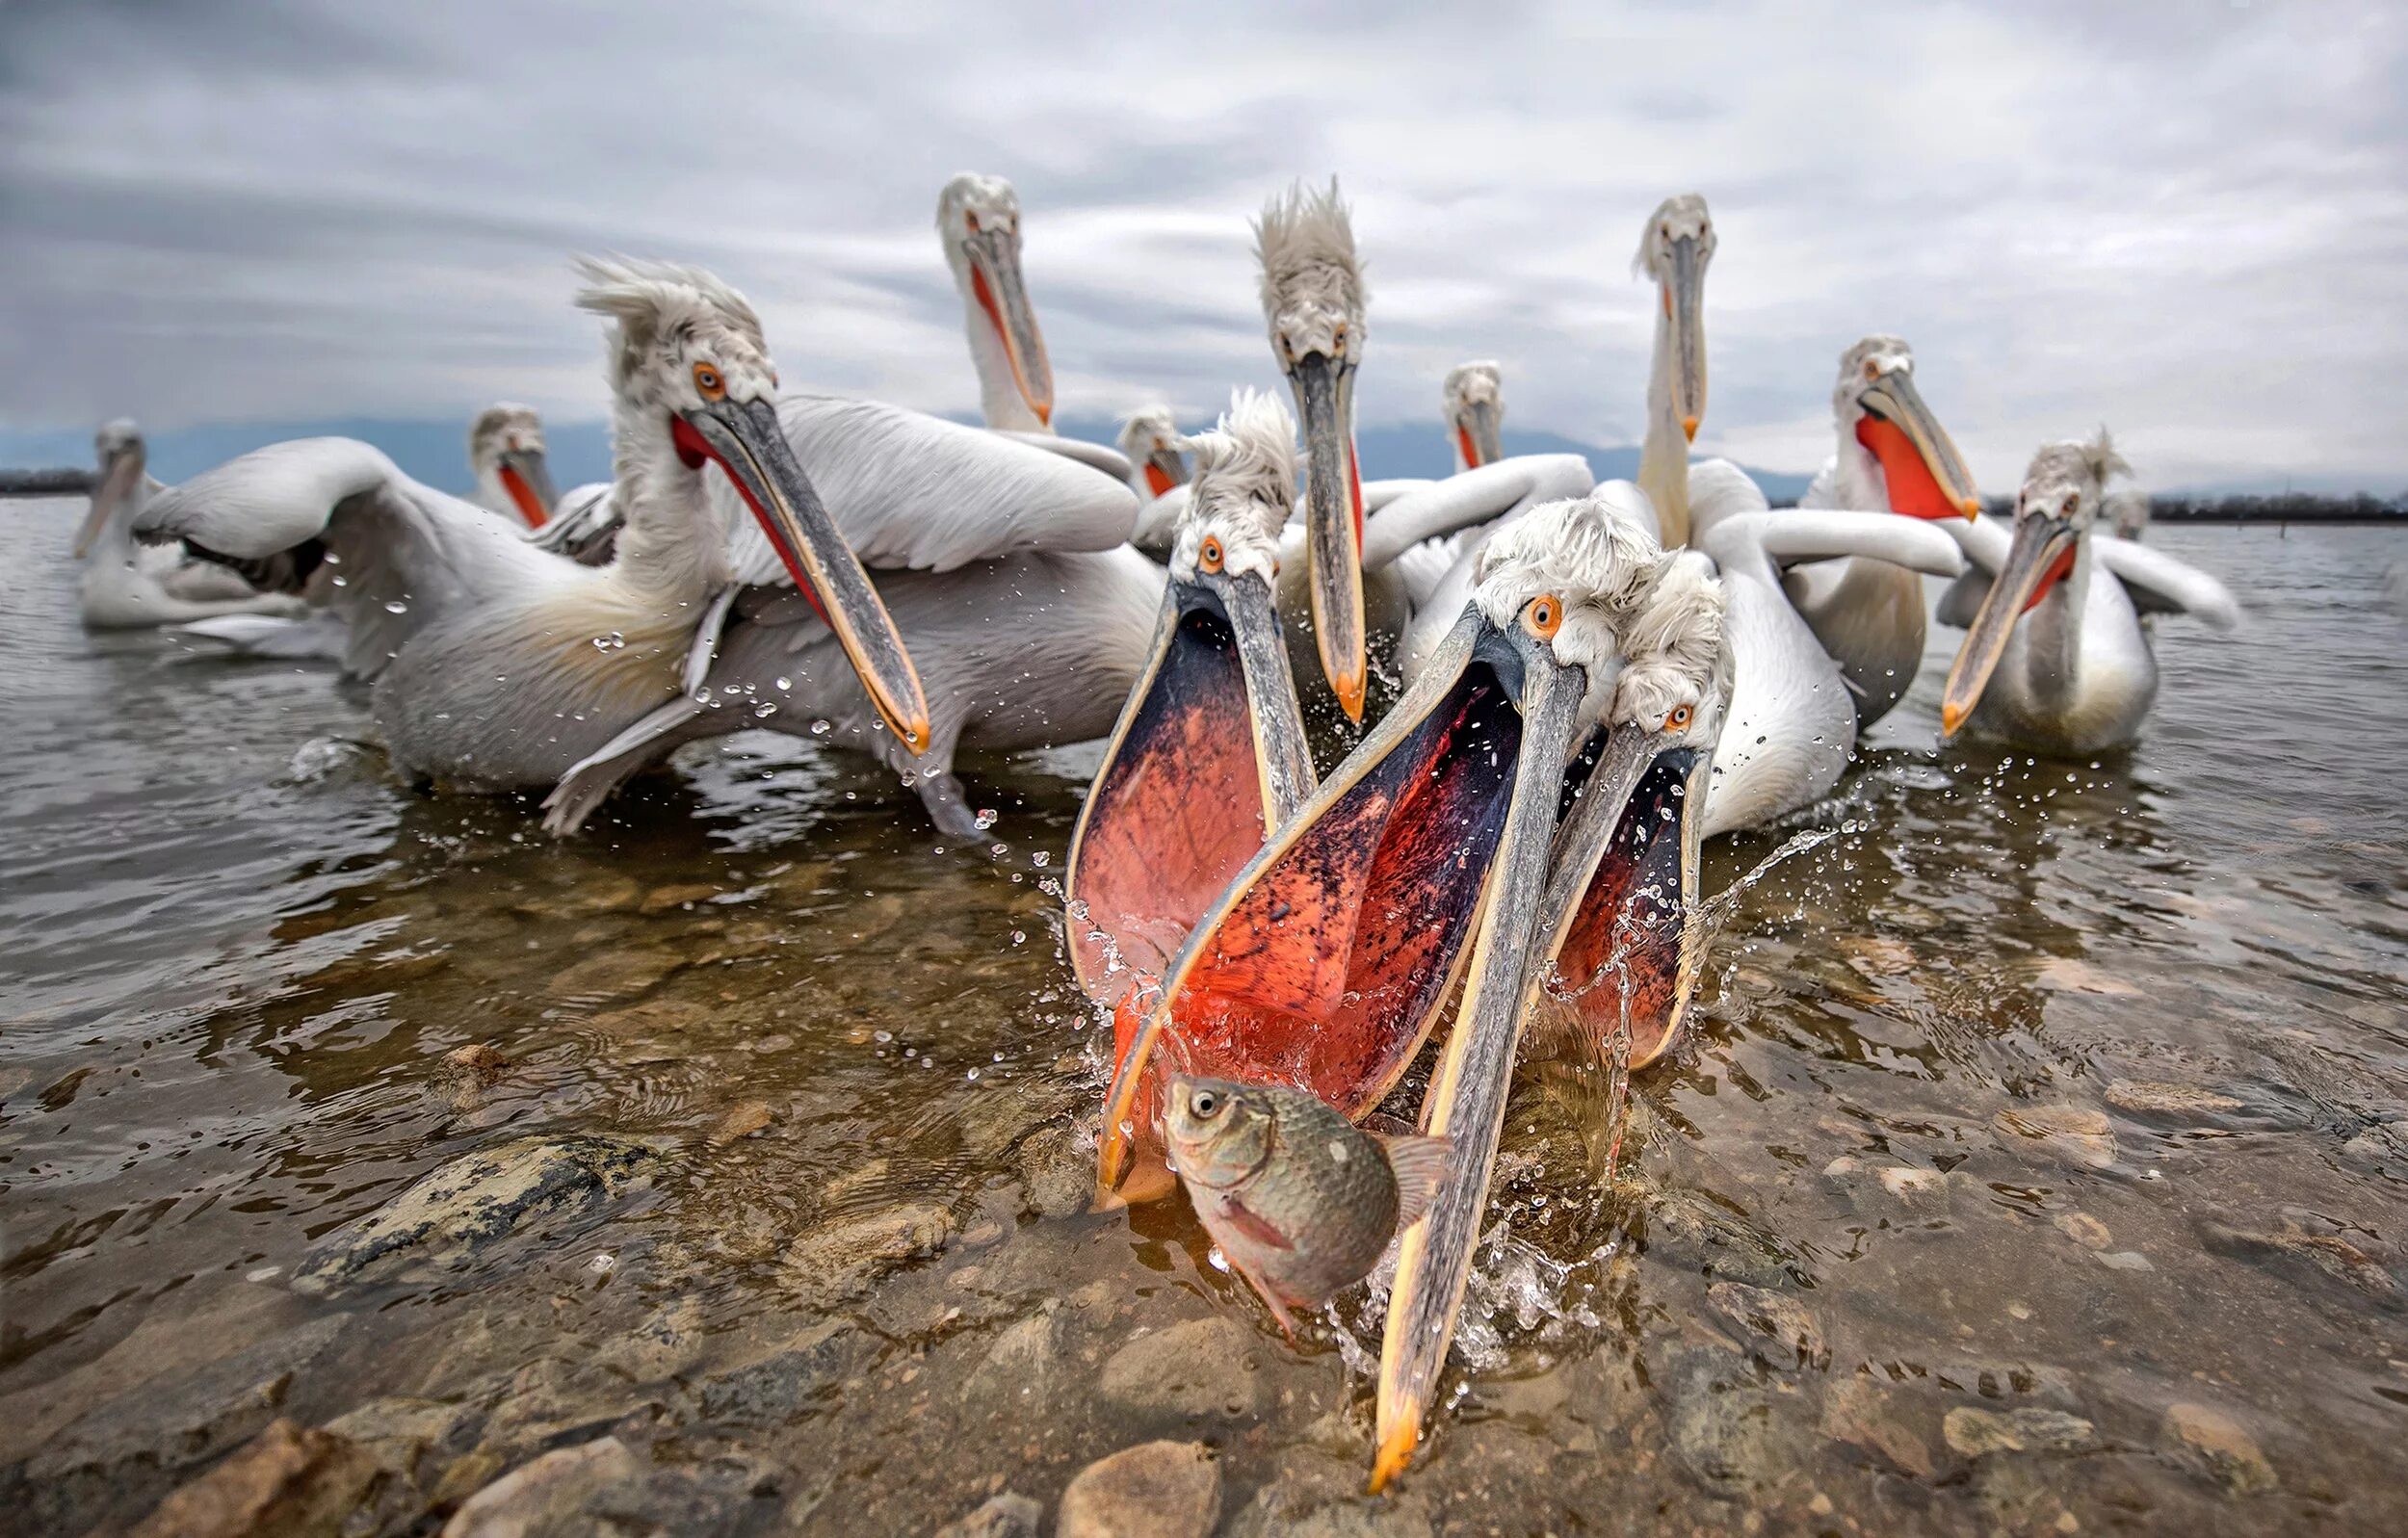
x=2056, y=657
x=1473, y=401
x=2127, y=512
x=1150, y=439
x=1209, y=757
x=497, y=665
x=1674, y=249
x=506, y=455
x=125, y=585
x=1893, y=456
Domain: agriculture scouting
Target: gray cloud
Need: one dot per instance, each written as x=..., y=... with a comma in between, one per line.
x=2188, y=221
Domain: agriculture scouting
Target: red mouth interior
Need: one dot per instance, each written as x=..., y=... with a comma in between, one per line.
x=1463, y=440
x=1633, y=906
x=2058, y=570
x=1158, y=480
x=529, y=507
x=985, y=296
x=692, y=450
x=1912, y=489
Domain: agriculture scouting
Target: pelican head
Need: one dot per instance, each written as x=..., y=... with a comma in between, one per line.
x=1475, y=404
x=1313, y=305
x=2127, y=512
x=121, y=463
x=1875, y=402
x=1678, y=243
x=694, y=386
x=2063, y=491
x=1210, y=755
x=1150, y=438
x=978, y=217
x=506, y=450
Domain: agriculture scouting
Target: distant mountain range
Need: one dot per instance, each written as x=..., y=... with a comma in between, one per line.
x=436, y=453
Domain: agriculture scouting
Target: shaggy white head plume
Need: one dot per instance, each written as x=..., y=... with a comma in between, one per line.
x=1859, y=366
x=1244, y=489
x=1673, y=653
x=1471, y=384
x=117, y=436
x=1312, y=284
x=2068, y=480
x=1683, y=213
x=974, y=204
x=1147, y=429
x=1596, y=555
x=501, y=428
x=671, y=317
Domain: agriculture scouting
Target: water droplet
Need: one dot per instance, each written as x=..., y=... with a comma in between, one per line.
x=984, y=819
x=394, y=606
x=819, y=728
x=1039, y=858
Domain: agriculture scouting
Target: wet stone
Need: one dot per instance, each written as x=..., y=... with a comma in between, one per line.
x=2070, y=1134
x=454, y=1216
x=1006, y=1516
x=1318, y=1495
x=775, y=1388
x=839, y=1259
x=284, y=1480
x=1198, y=1370
x=553, y=1495
x=1862, y=1411
x=616, y=974
x=2084, y=1230
x=2325, y=1255
x=1017, y=1372
x=1154, y=1490
x=1734, y=1437
x=404, y=1435
x=2148, y=1097
x=1796, y=1338
x=678, y=895
x=2214, y=1440
x=1976, y=1433
x=1057, y=1172
x=478, y=1058
x=1686, y=1228
x=742, y=1121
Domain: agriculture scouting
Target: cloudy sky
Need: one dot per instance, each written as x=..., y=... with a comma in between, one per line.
x=2188, y=220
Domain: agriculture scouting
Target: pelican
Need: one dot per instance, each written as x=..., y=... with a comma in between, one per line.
x=1209, y=758
x=2056, y=657
x=1473, y=401
x=2127, y=512
x=506, y=455
x=126, y=585
x=1674, y=251
x=1150, y=439
x=1893, y=456
x=496, y=665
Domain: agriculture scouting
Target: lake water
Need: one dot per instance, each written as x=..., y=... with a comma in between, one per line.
x=1923, y=1128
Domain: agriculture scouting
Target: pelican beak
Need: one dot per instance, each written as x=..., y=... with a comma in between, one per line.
x=996, y=283
x=1209, y=760
x=1165, y=468
x=527, y=480
x=1326, y=961
x=1925, y=475
x=1684, y=307
x=744, y=439
x=1333, y=521
x=2042, y=553
x=1477, y=434
x=117, y=480
x=1466, y=1097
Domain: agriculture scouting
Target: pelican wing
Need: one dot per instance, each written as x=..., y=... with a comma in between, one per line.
x=1157, y=531
x=334, y=518
x=1472, y=498
x=1094, y=455
x=1826, y=534
x=583, y=526
x=2158, y=583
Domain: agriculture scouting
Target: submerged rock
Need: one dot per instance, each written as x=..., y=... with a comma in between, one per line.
x=283, y=1481
x=2325, y=1254
x=837, y=1260
x=2070, y=1134
x=1871, y=1416
x=1198, y=1369
x=1688, y=1229
x=452, y=1217
x=2149, y=1097
x=1006, y=1516
x=1154, y=1490
x=2216, y=1440
x=551, y=1496
x=1796, y=1338
x=1976, y=1433
x=1734, y=1438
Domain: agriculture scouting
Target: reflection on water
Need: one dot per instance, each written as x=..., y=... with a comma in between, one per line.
x=2037, y=1164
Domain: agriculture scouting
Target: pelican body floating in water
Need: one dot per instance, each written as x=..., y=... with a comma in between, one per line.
x=496, y=665
x=126, y=585
x=2056, y=657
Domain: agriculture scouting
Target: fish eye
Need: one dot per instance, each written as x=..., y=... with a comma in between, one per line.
x=1679, y=719
x=1544, y=616
x=1210, y=556
x=706, y=379
x=1204, y=1103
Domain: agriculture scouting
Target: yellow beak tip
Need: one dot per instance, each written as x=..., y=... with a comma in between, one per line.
x=1394, y=1455
x=1350, y=691
x=1952, y=717
x=1972, y=507
x=1689, y=426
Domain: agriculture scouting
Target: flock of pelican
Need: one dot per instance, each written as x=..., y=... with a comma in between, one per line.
x=1586, y=681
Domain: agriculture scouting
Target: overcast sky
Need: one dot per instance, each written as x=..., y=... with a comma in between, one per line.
x=2188, y=220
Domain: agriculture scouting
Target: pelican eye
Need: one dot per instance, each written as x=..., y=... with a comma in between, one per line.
x=706, y=379
x=2072, y=502
x=1873, y=370
x=1544, y=616
x=1209, y=554
x=970, y=220
x=1679, y=719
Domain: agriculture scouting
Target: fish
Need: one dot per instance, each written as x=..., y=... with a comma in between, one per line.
x=1300, y=1200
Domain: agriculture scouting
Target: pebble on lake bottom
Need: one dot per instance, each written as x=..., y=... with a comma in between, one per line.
x=2219, y=1441
x=284, y=1480
x=1154, y=1490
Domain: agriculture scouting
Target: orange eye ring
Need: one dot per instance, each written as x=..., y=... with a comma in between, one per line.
x=1679, y=719
x=1543, y=616
x=707, y=379
x=1873, y=370
x=1208, y=554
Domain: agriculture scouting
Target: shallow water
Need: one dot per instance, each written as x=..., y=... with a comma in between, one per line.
x=237, y=956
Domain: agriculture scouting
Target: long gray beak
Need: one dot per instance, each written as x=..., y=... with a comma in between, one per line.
x=2034, y=563
x=746, y=441
x=117, y=480
x=995, y=281
x=1481, y=434
x=1333, y=522
x=1467, y=1099
x=1929, y=480
x=527, y=480
x=1165, y=468
x=1685, y=304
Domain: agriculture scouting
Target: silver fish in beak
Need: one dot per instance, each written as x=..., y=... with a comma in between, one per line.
x=744, y=439
x=1299, y=1200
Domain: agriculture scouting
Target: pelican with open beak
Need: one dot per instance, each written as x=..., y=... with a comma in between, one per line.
x=1473, y=401
x=1209, y=758
x=1312, y=303
x=1325, y=963
x=980, y=219
x=506, y=453
x=1150, y=438
x=1601, y=947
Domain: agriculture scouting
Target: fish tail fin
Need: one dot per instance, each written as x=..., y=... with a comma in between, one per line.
x=1418, y=1162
